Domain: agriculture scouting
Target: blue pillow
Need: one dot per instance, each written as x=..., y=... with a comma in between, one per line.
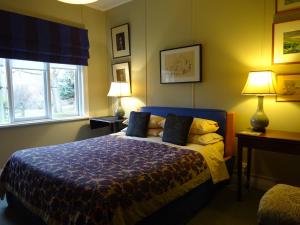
x=138, y=124
x=176, y=129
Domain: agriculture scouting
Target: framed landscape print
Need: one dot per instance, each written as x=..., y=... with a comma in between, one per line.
x=286, y=42
x=285, y=5
x=180, y=65
x=120, y=41
x=288, y=88
x=121, y=72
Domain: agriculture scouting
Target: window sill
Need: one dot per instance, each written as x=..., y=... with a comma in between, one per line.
x=45, y=121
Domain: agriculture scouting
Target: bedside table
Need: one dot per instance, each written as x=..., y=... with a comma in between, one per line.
x=113, y=122
x=271, y=140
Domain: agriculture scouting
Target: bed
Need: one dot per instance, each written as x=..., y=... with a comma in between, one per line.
x=116, y=180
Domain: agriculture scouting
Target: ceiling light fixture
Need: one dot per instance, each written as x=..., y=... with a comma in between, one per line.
x=78, y=2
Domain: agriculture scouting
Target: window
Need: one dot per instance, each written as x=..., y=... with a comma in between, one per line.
x=64, y=81
x=36, y=91
x=4, y=115
x=28, y=90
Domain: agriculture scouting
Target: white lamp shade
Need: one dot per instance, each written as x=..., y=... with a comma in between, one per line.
x=119, y=89
x=78, y=1
x=260, y=83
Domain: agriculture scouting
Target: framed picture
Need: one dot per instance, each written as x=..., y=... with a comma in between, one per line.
x=285, y=5
x=288, y=88
x=180, y=65
x=286, y=42
x=120, y=41
x=121, y=72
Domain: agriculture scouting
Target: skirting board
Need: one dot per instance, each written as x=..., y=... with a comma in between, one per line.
x=257, y=181
x=262, y=182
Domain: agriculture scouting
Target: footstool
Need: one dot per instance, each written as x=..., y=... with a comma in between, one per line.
x=280, y=206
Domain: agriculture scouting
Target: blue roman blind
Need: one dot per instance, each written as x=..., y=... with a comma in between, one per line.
x=29, y=38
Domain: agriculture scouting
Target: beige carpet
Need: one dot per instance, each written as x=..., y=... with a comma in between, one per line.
x=222, y=210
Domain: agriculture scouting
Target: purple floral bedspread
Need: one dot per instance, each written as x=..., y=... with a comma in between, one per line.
x=84, y=182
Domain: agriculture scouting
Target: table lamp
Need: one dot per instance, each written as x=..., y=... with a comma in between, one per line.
x=260, y=83
x=78, y=1
x=119, y=89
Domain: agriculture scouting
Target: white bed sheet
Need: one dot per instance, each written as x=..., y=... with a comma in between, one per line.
x=212, y=153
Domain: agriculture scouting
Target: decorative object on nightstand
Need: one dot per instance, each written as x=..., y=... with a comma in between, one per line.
x=119, y=89
x=260, y=83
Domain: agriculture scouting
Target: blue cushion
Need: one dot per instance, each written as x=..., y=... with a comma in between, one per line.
x=138, y=124
x=176, y=129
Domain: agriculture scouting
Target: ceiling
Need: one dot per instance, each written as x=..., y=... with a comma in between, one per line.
x=104, y=5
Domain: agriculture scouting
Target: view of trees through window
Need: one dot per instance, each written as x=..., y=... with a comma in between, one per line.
x=28, y=89
x=24, y=88
x=63, y=82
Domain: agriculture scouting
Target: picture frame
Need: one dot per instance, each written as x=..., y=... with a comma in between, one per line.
x=286, y=42
x=181, y=65
x=121, y=72
x=287, y=5
x=288, y=88
x=120, y=38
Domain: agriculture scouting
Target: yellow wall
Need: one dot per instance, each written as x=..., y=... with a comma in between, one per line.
x=236, y=36
x=14, y=138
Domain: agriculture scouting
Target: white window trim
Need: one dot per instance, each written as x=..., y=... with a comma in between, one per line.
x=43, y=121
x=85, y=93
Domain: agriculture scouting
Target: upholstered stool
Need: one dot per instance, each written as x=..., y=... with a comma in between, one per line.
x=280, y=206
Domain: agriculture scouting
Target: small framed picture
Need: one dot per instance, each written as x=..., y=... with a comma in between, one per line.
x=286, y=42
x=120, y=41
x=180, y=65
x=285, y=5
x=288, y=88
x=121, y=72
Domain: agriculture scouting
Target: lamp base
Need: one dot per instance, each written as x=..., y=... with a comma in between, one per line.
x=119, y=112
x=259, y=120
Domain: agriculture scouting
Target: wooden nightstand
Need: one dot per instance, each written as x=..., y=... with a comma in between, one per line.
x=113, y=122
x=271, y=140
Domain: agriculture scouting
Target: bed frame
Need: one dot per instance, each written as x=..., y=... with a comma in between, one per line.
x=182, y=209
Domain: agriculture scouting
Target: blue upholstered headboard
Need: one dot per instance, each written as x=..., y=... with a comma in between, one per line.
x=212, y=114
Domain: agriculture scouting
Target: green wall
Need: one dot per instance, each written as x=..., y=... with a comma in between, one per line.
x=236, y=37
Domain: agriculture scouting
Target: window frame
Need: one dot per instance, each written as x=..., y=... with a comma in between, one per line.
x=78, y=93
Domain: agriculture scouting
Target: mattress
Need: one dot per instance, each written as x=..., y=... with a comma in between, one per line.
x=107, y=180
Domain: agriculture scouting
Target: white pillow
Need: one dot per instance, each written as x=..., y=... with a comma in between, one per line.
x=204, y=139
x=154, y=132
x=154, y=121
x=203, y=126
x=161, y=134
x=199, y=126
x=126, y=122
